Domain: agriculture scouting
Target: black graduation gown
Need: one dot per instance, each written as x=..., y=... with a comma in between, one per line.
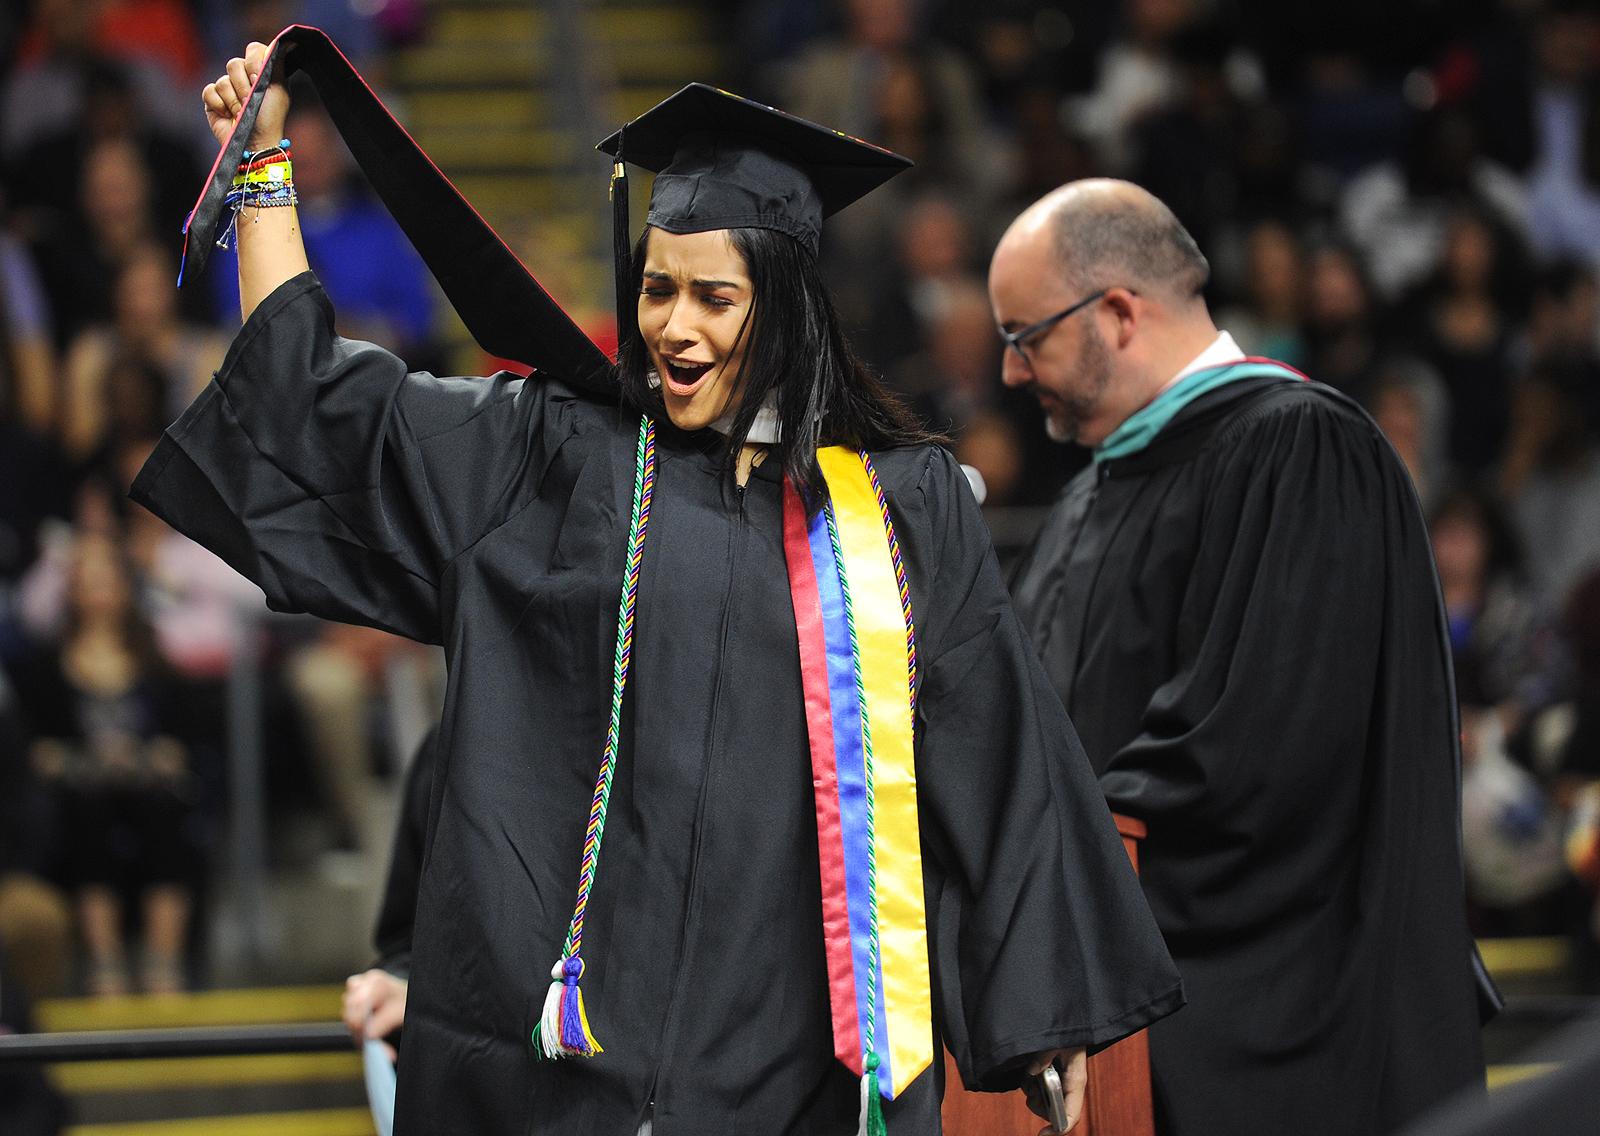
x=398, y=911
x=1243, y=623
x=491, y=515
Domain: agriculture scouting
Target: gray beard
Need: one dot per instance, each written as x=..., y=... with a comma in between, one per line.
x=1094, y=367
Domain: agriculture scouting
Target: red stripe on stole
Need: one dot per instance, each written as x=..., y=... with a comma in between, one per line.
x=824, y=778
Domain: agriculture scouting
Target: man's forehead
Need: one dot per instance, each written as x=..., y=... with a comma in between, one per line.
x=1022, y=278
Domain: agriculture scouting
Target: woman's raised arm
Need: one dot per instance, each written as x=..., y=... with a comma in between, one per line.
x=270, y=248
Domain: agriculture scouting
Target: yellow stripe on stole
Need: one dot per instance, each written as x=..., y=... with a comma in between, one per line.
x=881, y=640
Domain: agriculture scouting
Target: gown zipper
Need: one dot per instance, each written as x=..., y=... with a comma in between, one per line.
x=674, y=1000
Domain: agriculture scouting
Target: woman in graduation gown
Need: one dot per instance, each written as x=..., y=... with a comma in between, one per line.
x=499, y=517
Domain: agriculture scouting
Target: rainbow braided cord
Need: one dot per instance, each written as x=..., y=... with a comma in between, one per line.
x=563, y=1029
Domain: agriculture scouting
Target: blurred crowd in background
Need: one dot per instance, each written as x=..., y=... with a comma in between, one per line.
x=1401, y=199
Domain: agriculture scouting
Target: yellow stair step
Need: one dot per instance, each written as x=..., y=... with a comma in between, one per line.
x=470, y=108
x=1502, y=1075
x=654, y=24
x=484, y=64
x=318, y=1122
x=177, y=1073
x=260, y=1006
x=1525, y=957
x=503, y=23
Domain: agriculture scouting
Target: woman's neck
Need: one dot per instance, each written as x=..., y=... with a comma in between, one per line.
x=750, y=456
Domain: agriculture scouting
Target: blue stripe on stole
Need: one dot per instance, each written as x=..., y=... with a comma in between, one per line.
x=850, y=759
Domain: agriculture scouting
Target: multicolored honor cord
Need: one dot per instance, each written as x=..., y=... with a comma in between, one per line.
x=563, y=1029
x=858, y=670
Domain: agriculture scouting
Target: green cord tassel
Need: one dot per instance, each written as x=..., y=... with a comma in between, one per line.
x=874, y=1124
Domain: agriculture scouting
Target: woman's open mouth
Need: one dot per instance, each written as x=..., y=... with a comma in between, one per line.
x=683, y=379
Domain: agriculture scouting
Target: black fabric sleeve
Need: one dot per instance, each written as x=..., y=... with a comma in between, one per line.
x=1041, y=937
x=340, y=483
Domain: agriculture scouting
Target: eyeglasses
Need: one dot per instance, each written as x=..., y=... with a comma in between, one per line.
x=1018, y=340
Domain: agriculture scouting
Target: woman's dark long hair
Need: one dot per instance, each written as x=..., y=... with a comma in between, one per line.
x=796, y=350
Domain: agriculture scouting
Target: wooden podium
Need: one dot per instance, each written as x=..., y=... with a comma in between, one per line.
x=1117, y=1101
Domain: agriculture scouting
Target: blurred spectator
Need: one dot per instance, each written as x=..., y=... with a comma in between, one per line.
x=108, y=729
x=336, y=681
x=1579, y=753
x=991, y=445
x=1462, y=321
x=934, y=255
x=1349, y=113
x=378, y=285
x=1563, y=323
x=1340, y=330
x=1267, y=317
x=192, y=599
x=1564, y=183
x=45, y=92
x=81, y=256
x=45, y=177
x=1398, y=212
x=162, y=31
x=1410, y=406
x=1563, y=744
x=1491, y=620
x=1487, y=68
x=1047, y=153
x=956, y=378
x=134, y=374
x=1186, y=152
x=1019, y=46
x=1550, y=478
x=360, y=27
x=884, y=79
x=27, y=354
x=32, y=488
x=1138, y=75
x=954, y=385
x=35, y=922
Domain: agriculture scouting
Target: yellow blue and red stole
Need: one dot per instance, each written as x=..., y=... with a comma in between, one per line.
x=858, y=668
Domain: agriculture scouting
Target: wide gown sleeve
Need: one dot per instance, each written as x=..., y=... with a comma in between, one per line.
x=340, y=483
x=1041, y=937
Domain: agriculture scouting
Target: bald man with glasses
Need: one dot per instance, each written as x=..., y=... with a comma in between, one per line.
x=1237, y=603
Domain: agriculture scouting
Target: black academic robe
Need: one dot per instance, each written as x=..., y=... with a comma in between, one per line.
x=1243, y=623
x=397, y=913
x=491, y=515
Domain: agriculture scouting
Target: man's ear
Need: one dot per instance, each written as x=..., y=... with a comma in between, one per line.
x=1127, y=307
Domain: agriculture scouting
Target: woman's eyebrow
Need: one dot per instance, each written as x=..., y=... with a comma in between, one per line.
x=657, y=274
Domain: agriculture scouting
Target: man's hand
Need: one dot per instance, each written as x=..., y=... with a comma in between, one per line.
x=1074, y=1066
x=224, y=100
x=374, y=1006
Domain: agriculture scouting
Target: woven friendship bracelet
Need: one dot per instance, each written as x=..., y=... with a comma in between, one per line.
x=264, y=180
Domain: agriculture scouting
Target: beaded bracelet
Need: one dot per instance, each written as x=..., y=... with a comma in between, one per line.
x=264, y=180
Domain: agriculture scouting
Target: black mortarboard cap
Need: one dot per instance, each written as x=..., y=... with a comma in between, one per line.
x=726, y=162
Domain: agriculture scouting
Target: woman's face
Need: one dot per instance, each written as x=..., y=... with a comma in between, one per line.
x=694, y=309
